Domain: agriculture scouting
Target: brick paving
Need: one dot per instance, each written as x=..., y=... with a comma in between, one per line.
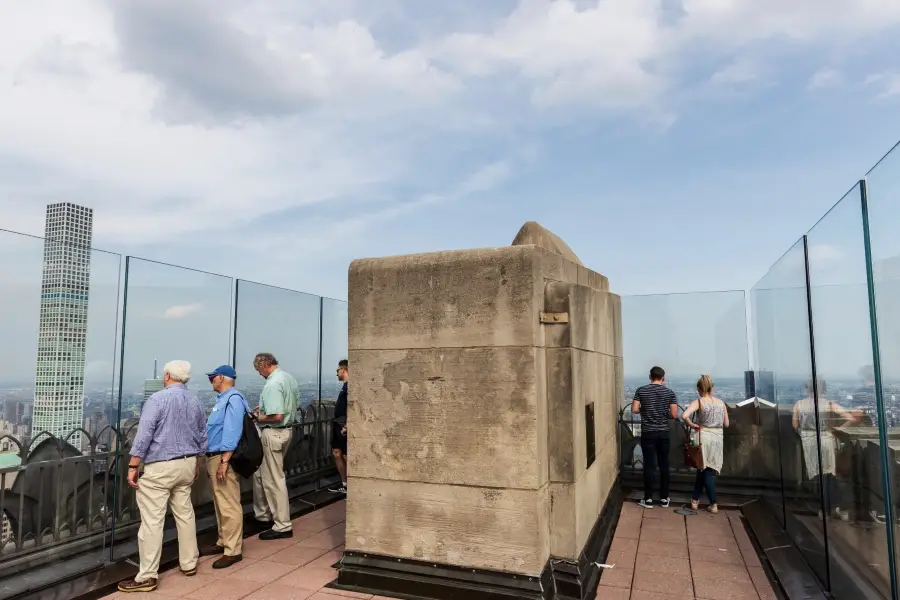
x=292, y=569
x=659, y=554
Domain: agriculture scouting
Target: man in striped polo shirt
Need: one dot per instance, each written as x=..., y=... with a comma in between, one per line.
x=656, y=404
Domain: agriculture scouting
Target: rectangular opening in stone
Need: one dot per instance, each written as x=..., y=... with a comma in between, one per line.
x=589, y=433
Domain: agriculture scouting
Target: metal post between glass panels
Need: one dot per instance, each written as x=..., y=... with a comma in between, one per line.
x=117, y=428
x=320, y=427
x=815, y=394
x=879, y=392
x=234, y=325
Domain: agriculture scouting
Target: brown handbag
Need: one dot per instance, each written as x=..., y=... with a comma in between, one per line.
x=693, y=455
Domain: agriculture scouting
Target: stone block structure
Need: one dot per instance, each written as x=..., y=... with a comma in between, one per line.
x=482, y=416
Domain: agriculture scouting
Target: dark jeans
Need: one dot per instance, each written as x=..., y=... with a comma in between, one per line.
x=655, y=446
x=705, y=479
x=834, y=492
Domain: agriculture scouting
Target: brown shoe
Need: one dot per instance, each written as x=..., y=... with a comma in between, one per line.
x=212, y=550
x=227, y=561
x=137, y=586
x=189, y=572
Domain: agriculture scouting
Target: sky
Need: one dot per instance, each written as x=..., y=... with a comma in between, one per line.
x=675, y=145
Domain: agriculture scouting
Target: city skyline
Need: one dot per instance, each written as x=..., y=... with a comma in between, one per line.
x=67, y=307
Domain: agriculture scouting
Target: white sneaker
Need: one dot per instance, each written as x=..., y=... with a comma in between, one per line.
x=879, y=519
x=646, y=503
x=664, y=502
x=843, y=515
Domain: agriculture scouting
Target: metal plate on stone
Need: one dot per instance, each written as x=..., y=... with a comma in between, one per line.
x=554, y=317
x=685, y=512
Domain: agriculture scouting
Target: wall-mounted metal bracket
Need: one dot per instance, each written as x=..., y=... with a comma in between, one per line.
x=550, y=318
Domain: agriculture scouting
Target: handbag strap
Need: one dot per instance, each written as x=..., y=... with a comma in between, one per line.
x=699, y=409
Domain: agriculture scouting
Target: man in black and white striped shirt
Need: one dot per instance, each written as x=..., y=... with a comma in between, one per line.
x=656, y=404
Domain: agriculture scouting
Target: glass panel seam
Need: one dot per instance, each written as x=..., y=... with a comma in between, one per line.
x=879, y=389
x=815, y=393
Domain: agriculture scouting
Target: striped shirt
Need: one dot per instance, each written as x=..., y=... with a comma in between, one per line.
x=655, y=400
x=172, y=425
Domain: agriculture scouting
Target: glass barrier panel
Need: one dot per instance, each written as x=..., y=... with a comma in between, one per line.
x=688, y=335
x=841, y=411
x=767, y=447
x=882, y=200
x=285, y=324
x=785, y=367
x=57, y=355
x=334, y=350
x=170, y=313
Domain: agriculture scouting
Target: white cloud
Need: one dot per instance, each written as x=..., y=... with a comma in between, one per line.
x=888, y=84
x=160, y=114
x=824, y=78
x=740, y=71
x=825, y=253
x=180, y=311
x=568, y=55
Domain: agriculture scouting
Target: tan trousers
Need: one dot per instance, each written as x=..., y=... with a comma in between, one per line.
x=164, y=484
x=229, y=513
x=270, y=495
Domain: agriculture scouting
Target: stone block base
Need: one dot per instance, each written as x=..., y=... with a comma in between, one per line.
x=560, y=579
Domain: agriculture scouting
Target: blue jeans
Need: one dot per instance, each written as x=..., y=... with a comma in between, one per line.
x=705, y=479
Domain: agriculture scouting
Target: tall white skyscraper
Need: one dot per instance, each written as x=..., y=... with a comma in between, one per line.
x=62, y=336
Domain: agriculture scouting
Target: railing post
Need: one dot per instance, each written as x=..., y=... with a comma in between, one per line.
x=117, y=429
x=815, y=395
x=234, y=324
x=321, y=436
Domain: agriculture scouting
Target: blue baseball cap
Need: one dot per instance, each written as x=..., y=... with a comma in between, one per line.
x=225, y=370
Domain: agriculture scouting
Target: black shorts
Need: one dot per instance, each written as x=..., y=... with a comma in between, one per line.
x=338, y=440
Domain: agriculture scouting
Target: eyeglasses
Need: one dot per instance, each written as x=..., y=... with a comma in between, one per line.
x=212, y=378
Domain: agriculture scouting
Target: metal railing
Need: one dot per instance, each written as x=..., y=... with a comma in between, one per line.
x=751, y=451
x=59, y=502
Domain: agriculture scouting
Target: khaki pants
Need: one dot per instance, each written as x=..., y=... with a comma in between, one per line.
x=270, y=495
x=229, y=512
x=162, y=484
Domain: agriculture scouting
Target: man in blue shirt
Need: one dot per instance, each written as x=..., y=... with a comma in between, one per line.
x=224, y=429
x=170, y=436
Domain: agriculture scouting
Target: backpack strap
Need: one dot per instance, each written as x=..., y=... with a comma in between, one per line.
x=241, y=396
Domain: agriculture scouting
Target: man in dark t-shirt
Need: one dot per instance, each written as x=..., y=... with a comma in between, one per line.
x=656, y=404
x=339, y=429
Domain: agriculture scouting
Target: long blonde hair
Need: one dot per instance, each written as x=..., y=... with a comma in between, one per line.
x=705, y=385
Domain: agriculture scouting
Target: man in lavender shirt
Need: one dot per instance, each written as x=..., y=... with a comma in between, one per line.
x=171, y=435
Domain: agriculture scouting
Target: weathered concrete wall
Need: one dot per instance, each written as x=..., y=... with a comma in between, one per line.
x=584, y=367
x=466, y=420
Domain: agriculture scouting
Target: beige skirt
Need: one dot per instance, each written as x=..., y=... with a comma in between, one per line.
x=712, y=444
x=810, y=453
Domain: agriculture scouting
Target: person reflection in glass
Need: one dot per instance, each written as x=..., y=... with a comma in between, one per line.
x=864, y=480
x=831, y=415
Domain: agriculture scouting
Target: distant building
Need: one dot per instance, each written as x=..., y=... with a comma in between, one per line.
x=62, y=333
x=5, y=530
x=151, y=386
